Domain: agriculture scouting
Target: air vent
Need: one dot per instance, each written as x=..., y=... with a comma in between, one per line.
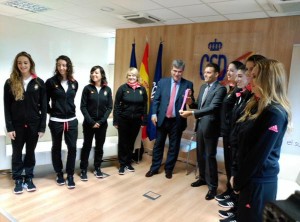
x=285, y=6
x=141, y=18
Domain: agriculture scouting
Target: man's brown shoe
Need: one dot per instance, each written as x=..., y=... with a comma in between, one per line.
x=150, y=173
x=168, y=174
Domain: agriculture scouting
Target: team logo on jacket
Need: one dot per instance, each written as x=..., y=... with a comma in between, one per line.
x=92, y=92
x=127, y=91
x=274, y=128
x=56, y=86
x=141, y=92
x=36, y=86
x=105, y=93
x=73, y=86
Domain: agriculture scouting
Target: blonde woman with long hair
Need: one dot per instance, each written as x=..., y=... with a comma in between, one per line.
x=263, y=125
x=25, y=110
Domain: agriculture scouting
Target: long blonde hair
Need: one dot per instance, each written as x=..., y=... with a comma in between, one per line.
x=272, y=87
x=15, y=80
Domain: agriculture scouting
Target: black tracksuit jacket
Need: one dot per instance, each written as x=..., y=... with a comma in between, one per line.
x=237, y=112
x=31, y=110
x=259, y=143
x=226, y=111
x=95, y=106
x=131, y=104
x=62, y=103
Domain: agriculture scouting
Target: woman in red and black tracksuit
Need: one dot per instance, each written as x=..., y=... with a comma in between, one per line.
x=61, y=90
x=130, y=113
x=25, y=109
x=262, y=128
x=96, y=105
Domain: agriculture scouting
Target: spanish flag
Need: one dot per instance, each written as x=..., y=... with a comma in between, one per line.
x=144, y=74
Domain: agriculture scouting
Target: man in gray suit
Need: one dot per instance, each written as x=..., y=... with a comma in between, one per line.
x=167, y=102
x=207, y=114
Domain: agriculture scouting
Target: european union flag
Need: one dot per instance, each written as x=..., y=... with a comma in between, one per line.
x=133, y=58
x=151, y=129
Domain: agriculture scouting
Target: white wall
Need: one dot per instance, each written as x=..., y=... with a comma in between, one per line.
x=291, y=143
x=45, y=44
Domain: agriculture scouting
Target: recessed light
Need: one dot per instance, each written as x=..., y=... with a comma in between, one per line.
x=28, y=6
x=107, y=9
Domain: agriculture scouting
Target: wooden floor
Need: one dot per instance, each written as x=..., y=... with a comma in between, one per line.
x=114, y=198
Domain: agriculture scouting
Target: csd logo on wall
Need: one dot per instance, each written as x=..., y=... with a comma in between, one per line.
x=219, y=59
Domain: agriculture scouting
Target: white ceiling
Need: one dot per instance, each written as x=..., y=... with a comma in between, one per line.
x=87, y=16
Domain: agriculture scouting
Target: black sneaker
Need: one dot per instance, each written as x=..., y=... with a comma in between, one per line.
x=231, y=218
x=28, y=185
x=226, y=213
x=228, y=203
x=70, y=182
x=122, y=170
x=129, y=168
x=83, y=175
x=98, y=173
x=60, y=179
x=223, y=196
x=18, y=187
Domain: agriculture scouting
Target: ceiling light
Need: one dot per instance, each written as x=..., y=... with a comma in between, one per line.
x=28, y=6
x=107, y=9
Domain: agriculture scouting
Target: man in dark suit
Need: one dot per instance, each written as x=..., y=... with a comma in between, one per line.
x=167, y=102
x=208, y=128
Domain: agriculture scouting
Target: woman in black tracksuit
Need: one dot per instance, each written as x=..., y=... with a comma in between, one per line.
x=242, y=97
x=243, y=82
x=25, y=109
x=226, y=113
x=130, y=113
x=262, y=128
x=96, y=105
x=61, y=90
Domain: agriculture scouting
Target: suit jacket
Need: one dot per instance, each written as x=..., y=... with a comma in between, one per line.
x=162, y=97
x=208, y=116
